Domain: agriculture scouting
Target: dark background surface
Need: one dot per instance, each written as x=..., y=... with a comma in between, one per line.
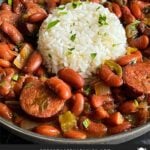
x=8, y=138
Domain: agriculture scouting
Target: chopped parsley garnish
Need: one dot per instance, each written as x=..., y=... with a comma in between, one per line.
x=102, y=20
x=114, y=45
x=71, y=49
x=93, y=55
x=63, y=13
x=15, y=77
x=61, y=7
x=87, y=90
x=9, y=2
x=86, y=123
x=52, y=24
x=73, y=37
x=76, y=4
x=98, y=8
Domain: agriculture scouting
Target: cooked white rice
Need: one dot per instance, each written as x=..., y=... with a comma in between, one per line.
x=78, y=40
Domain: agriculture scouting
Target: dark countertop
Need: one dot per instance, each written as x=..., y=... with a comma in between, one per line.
x=8, y=138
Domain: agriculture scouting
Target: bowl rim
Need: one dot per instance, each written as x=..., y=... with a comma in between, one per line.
x=37, y=138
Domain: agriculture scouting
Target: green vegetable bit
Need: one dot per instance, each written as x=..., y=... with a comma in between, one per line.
x=102, y=20
x=61, y=7
x=87, y=90
x=76, y=4
x=93, y=55
x=67, y=121
x=15, y=77
x=63, y=13
x=73, y=37
x=114, y=66
x=52, y=24
x=136, y=103
x=86, y=123
x=9, y=2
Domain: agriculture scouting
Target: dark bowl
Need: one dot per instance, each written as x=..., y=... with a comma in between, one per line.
x=36, y=138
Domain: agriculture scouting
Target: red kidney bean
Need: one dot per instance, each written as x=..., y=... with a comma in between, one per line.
x=19, y=85
x=78, y=104
x=101, y=113
x=33, y=63
x=97, y=101
x=109, y=77
x=37, y=17
x=40, y=72
x=142, y=116
x=117, y=10
x=96, y=129
x=5, y=6
x=12, y=32
x=116, y=118
x=59, y=87
x=71, y=77
x=53, y=3
x=127, y=15
x=5, y=87
x=5, y=112
x=128, y=107
x=119, y=128
x=142, y=4
x=127, y=59
x=75, y=134
x=5, y=52
x=17, y=6
x=9, y=73
x=4, y=63
x=141, y=42
x=136, y=11
x=48, y=130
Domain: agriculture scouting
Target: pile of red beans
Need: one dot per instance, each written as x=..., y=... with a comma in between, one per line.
x=114, y=100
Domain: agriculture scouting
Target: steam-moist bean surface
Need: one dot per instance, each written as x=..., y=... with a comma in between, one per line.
x=103, y=51
x=83, y=38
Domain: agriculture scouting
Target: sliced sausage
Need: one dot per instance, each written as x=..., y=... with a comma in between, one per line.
x=39, y=101
x=137, y=77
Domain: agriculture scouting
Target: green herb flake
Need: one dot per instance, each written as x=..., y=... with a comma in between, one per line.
x=71, y=49
x=93, y=55
x=86, y=123
x=87, y=90
x=52, y=24
x=15, y=77
x=73, y=37
x=61, y=7
x=102, y=20
x=114, y=45
x=63, y=13
x=76, y=4
x=9, y=2
x=98, y=8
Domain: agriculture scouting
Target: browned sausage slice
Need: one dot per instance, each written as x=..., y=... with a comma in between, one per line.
x=39, y=101
x=137, y=77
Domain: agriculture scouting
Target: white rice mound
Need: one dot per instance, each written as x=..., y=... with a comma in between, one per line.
x=93, y=43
